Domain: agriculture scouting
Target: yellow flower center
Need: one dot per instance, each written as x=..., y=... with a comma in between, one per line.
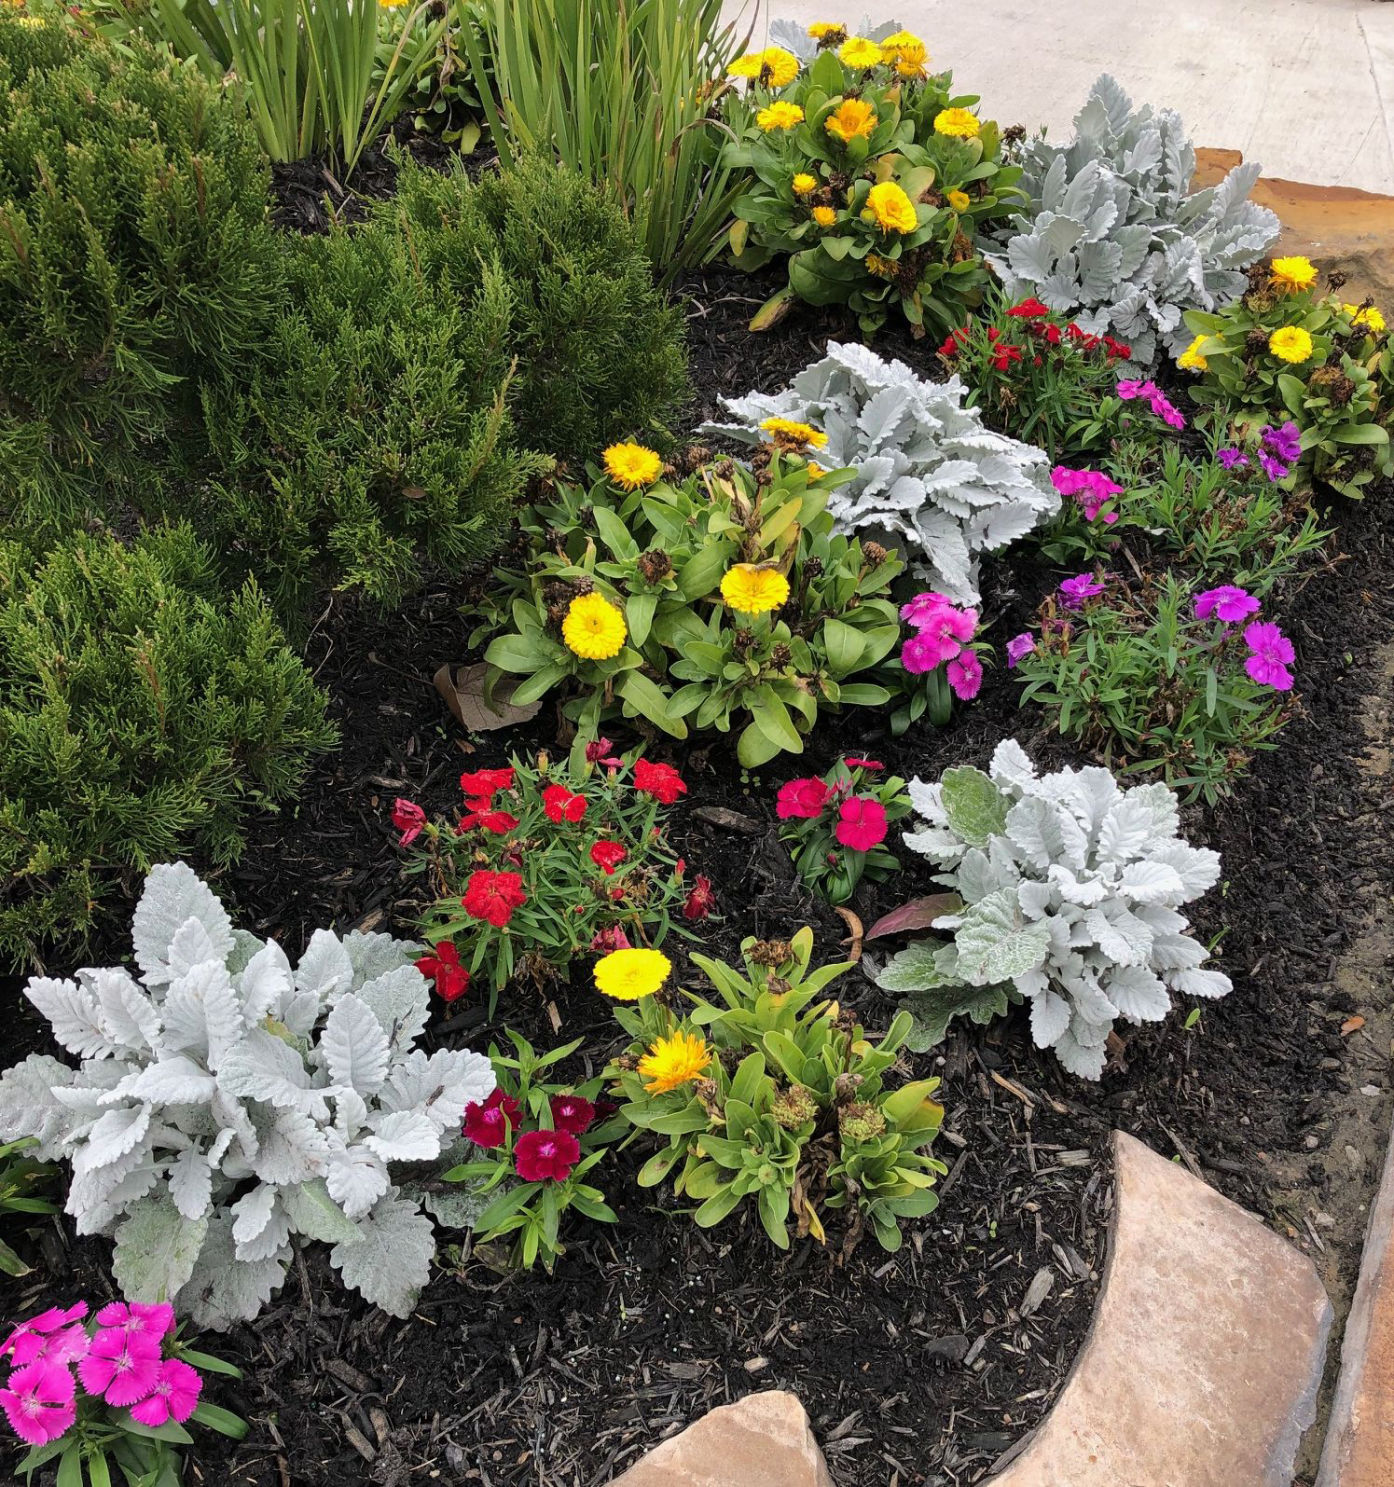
x=891, y=209
x=851, y=119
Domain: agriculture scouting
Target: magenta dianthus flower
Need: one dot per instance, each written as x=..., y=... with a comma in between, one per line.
x=1272, y=654
x=1283, y=440
x=965, y=673
x=1227, y=602
x=1019, y=646
x=120, y=1366
x=39, y=1401
x=1076, y=590
x=1232, y=459
x=173, y=1395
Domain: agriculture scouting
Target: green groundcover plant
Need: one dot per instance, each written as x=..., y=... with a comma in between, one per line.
x=142, y=713
x=870, y=177
x=720, y=600
x=134, y=257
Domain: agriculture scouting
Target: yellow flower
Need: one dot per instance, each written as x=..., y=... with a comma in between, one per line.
x=891, y=209
x=1292, y=274
x=593, y=629
x=957, y=123
x=815, y=470
x=673, y=1061
x=781, y=67
x=804, y=184
x=627, y=975
x=880, y=267
x=749, y=589
x=824, y=216
x=908, y=52
x=786, y=433
x=826, y=30
x=960, y=201
x=1191, y=359
x=860, y=53
x=390, y=4
x=779, y=115
x=751, y=65
x=631, y=465
x=851, y=119
x=1291, y=343
x=1367, y=316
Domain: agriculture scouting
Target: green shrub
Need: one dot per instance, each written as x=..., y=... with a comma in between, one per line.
x=140, y=716
x=133, y=252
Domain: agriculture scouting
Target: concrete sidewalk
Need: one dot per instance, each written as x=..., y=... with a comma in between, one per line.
x=1305, y=87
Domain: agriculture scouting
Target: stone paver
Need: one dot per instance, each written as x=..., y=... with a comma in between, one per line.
x=1202, y=1365
x=1359, y=1450
x=764, y=1440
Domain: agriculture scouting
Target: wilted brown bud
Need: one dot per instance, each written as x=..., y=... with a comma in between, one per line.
x=1013, y=134
x=707, y=1096
x=770, y=953
x=694, y=457
x=781, y=655
x=777, y=986
x=813, y=568
x=1333, y=383
x=794, y=1107
x=845, y=1088
x=1256, y=342
x=1336, y=279
x=655, y=565
x=741, y=641
x=874, y=553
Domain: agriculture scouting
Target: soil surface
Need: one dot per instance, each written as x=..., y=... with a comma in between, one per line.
x=917, y=1367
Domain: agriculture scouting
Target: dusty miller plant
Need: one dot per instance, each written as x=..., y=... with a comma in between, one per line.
x=1115, y=236
x=927, y=469
x=226, y=1102
x=1069, y=888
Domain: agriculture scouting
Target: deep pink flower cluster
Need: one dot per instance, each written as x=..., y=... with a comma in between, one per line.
x=861, y=819
x=1155, y=399
x=122, y=1362
x=942, y=632
x=1270, y=651
x=1281, y=447
x=1091, y=489
x=538, y=1155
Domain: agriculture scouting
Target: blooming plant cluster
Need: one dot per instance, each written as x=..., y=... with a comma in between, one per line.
x=836, y=825
x=1295, y=353
x=119, y=1388
x=773, y=1094
x=533, y=1144
x=1037, y=375
x=542, y=865
x=869, y=176
x=720, y=599
x=939, y=660
x=1159, y=677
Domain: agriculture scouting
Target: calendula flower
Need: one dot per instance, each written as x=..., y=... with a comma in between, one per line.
x=824, y=216
x=960, y=202
x=628, y=975
x=753, y=590
x=1292, y=274
x=751, y=65
x=631, y=465
x=890, y=208
x=1365, y=315
x=673, y=1061
x=593, y=629
x=910, y=59
x=793, y=436
x=826, y=30
x=860, y=53
x=391, y=4
x=851, y=119
x=814, y=470
x=1291, y=344
x=781, y=67
x=957, y=123
x=779, y=115
x=1191, y=359
x=804, y=184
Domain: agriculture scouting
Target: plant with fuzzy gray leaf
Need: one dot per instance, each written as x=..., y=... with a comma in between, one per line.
x=1115, y=236
x=226, y=1102
x=1069, y=888
x=928, y=471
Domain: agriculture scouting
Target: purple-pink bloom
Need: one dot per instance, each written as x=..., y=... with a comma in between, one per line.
x=1283, y=440
x=941, y=631
x=1274, y=469
x=1272, y=655
x=965, y=673
x=155, y=1318
x=39, y=1402
x=120, y=1366
x=1227, y=602
x=1090, y=488
x=1166, y=410
x=1232, y=459
x=174, y=1395
x=1076, y=590
x=29, y=1340
x=925, y=608
x=1019, y=646
x=1130, y=388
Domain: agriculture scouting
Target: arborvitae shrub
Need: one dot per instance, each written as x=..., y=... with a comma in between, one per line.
x=134, y=252
x=142, y=713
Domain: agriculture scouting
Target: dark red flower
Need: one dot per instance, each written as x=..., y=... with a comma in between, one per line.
x=612, y=938
x=444, y=968
x=661, y=781
x=572, y=1114
x=597, y=749
x=486, y=782
x=608, y=856
x=487, y=1125
x=861, y=823
x=493, y=896
x=803, y=799
x=561, y=805
x=540, y=1155
x=955, y=342
x=408, y=818
x=1029, y=309
x=1004, y=356
x=1117, y=349
x=481, y=813
x=1051, y=334
x=855, y=761
x=700, y=899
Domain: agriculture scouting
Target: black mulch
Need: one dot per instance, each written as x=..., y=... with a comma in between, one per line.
x=917, y=1367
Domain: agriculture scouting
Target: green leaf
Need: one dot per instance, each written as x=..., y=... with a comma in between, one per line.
x=215, y=1417
x=844, y=646
x=934, y=1009
x=156, y=1248
x=918, y=967
x=538, y=684
x=703, y=570
x=976, y=808
x=639, y=611
x=515, y=653
x=755, y=747
x=70, y=1466
x=649, y=703
x=771, y=716
x=1360, y=433
x=614, y=534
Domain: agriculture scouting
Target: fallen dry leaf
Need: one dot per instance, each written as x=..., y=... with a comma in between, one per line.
x=728, y=820
x=854, y=940
x=462, y=689
x=1352, y=1025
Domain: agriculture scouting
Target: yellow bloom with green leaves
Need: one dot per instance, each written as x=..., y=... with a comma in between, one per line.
x=804, y=184
x=779, y=115
x=851, y=119
x=824, y=216
x=1191, y=359
x=1292, y=274
x=791, y=435
x=908, y=53
x=749, y=588
x=674, y=1061
x=632, y=465
x=891, y=209
x=960, y=201
x=1291, y=344
x=593, y=629
x=957, y=123
x=627, y=975
x=860, y=53
x=1366, y=316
